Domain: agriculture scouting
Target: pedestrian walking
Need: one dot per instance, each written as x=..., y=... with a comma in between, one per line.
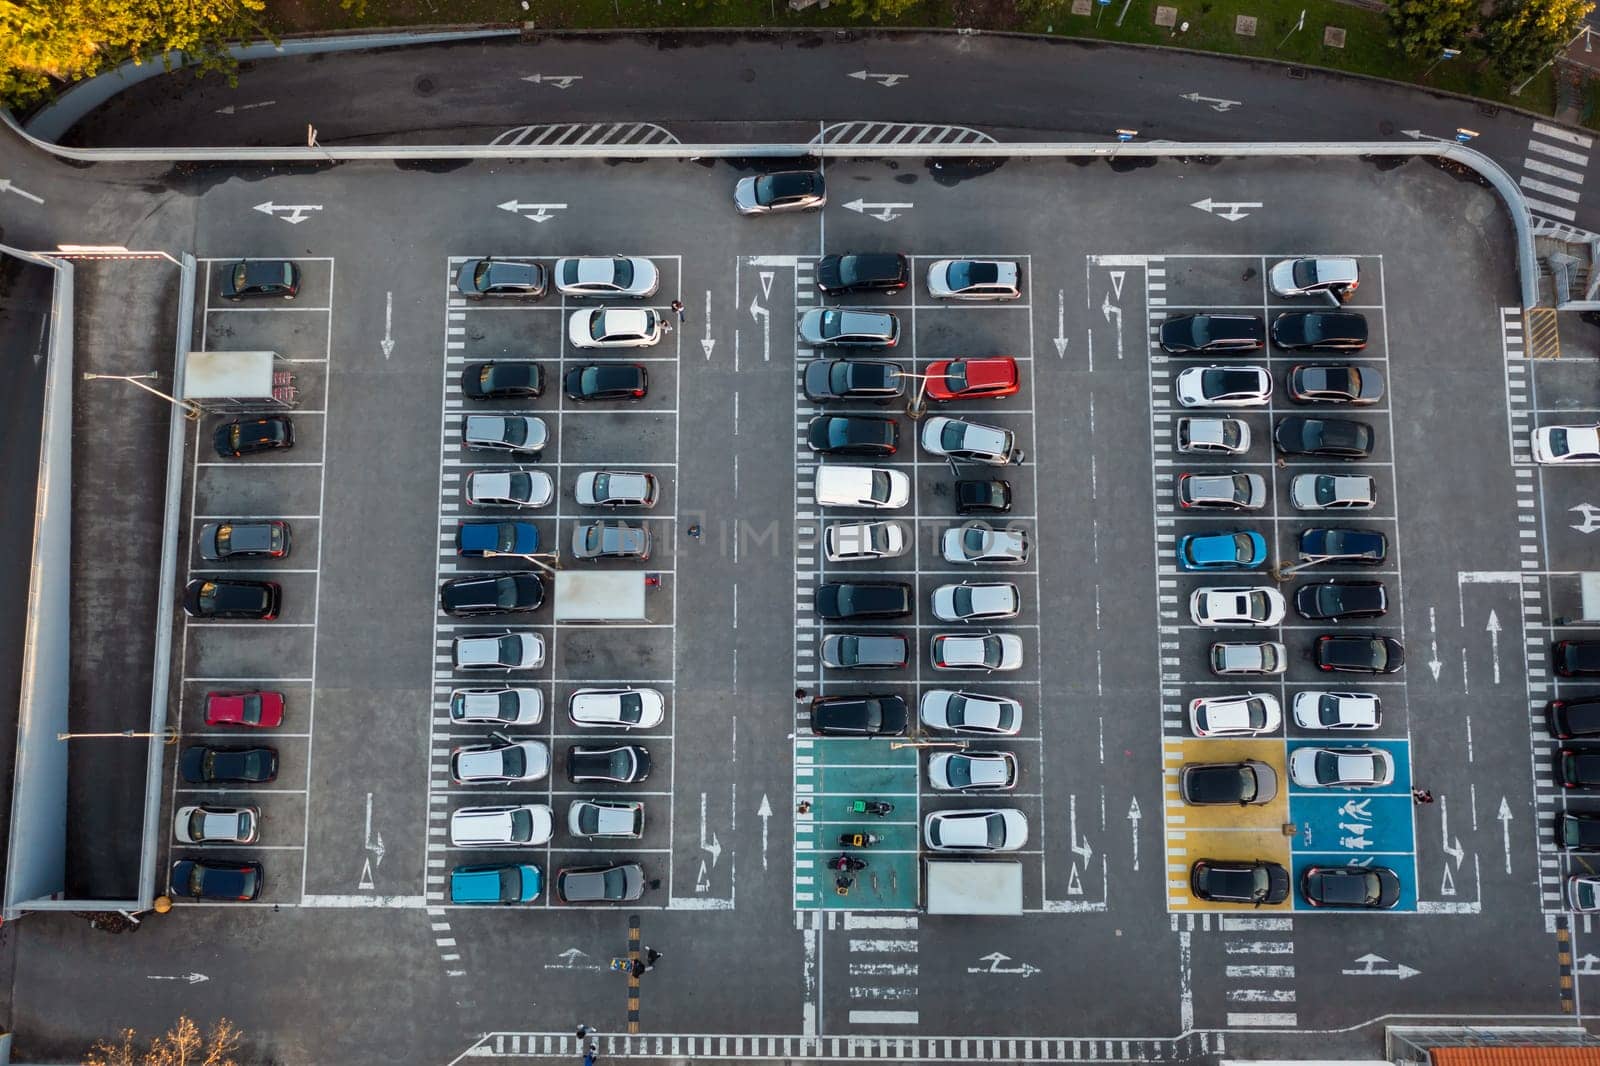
x=1421, y=795
x=638, y=968
x=694, y=530
x=677, y=306
x=583, y=1031
x=591, y=1054
x=651, y=957
x=803, y=807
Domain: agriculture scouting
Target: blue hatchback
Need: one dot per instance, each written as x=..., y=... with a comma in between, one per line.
x=485, y=540
x=1239, y=549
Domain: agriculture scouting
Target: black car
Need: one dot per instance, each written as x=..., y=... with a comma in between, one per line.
x=624, y=764
x=261, y=279
x=232, y=598
x=498, y=381
x=1573, y=718
x=983, y=497
x=868, y=715
x=1336, y=600
x=480, y=278
x=1373, y=887
x=608, y=381
x=1213, y=333
x=1578, y=832
x=1576, y=658
x=1333, y=438
x=872, y=272
x=1338, y=383
x=1578, y=768
x=247, y=436
x=492, y=594
x=878, y=380
x=1368, y=547
x=853, y=435
x=1206, y=784
x=1320, y=331
x=863, y=599
x=1254, y=882
x=201, y=764
x=1359, y=653
x=216, y=879
x=244, y=540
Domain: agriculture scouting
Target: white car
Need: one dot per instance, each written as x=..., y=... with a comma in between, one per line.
x=955, y=438
x=1223, y=386
x=1001, y=829
x=529, y=824
x=616, y=488
x=862, y=486
x=605, y=818
x=1333, y=492
x=1267, y=657
x=971, y=712
x=1334, y=276
x=1212, y=436
x=508, y=488
x=614, y=327
x=975, y=544
x=1245, y=605
x=1340, y=767
x=519, y=434
x=1247, y=715
x=509, y=705
x=617, y=708
x=217, y=825
x=975, y=279
x=607, y=276
x=972, y=771
x=978, y=651
x=1566, y=444
x=1316, y=709
x=518, y=760
x=510, y=650
x=976, y=601
x=845, y=542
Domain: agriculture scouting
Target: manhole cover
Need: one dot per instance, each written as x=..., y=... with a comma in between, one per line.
x=1299, y=73
x=747, y=75
x=424, y=86
x=1386, y=128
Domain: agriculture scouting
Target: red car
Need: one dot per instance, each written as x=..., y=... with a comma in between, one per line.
x=972, y=379
x=258, y=710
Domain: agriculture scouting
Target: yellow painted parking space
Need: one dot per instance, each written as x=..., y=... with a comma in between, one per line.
x=1176, y=752
x=1240, y=845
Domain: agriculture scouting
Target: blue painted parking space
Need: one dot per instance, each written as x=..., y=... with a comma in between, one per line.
x=1357, y=826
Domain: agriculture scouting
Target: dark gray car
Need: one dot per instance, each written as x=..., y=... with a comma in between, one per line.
x=622, y=883
x=610, y=540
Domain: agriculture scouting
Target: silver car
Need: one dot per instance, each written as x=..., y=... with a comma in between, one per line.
x=1004, y=829
x=865, y=651
x=1340, y=767
x=975, y=279
x=1315, y=709
x=217, y=825
x=616, y=488
x=610, y=540
x=833, y=325
x=520, y=434
x=976, y=651
x=854, y=541
x=971, y=712
x=1267, y=657
x=1230, y=491
x=976, y=601
x=1223, y=386
x=506, y=705
x=1212, y=436
x=787, y=190
x=509, y=650
x=1333, y=492
x=607, y=276
x=605, y=818
x=974, y=544
x=508, y=488
x=525, y=825
x=1336, y=277
x=955, y=438
x=519, y=760
x=972, y=771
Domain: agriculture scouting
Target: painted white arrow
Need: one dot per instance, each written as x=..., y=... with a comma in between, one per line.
x=230, y=109
x=1433, y=630
x=994, y=959
x=881, y=212
x=1233, y=211
x=759, y=312
x=714, y=847
x=1591, y=517
x=1400, y=970
x=190, y=978
x=764, y=812
x=374, y=842
x=295, y=213
x=1110, y=309
x=1505, y=829
x=1418, y=135
x=1083, y=850
x=885, y=80
x=1587, y=965
x=706, y=343
x=387, y=344
x=1457, y=852
x=1133, y=818
x=1494, y=642
x=560, y=81
x=1216, y=102
x=1061, y=323
x=6, y=186
x=569, y=961
x=541, y=212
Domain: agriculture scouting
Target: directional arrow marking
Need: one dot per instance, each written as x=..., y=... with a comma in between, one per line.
x=230, y=109
x=885, y=80
x=1457, y=852
x=1494, y=642
x=1233, y=211
x=1109, y=309
x=294, y=214
x=706, y=342
x=1505, y=829
x=560, y=81
x=6, y=186
x=881, y=212
x=714, y=847
x=1061, y=322
x=387, y=344
x=1433, y=630
x=764, y=812
x=1400, y=970
x=1587, y=965
x=190, y=978
x=541, y=212
x=1083, y=850
x=569, y=961
x=1133, y=818
x=994, y=959
x=1591, y=517
x=1217, y=103
x=760, y=313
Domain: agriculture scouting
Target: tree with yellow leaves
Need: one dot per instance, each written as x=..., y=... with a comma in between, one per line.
x=1523, y=35
x=182, y=1045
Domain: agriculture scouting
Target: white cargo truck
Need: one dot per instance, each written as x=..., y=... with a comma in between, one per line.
x=601, y=596
x=972, y=886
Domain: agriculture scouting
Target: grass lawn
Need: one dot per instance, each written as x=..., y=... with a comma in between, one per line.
x=1211, y=28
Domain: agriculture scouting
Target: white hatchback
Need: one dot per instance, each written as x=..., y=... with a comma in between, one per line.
x=1244, y=605
x=1002, y=829
x=976, y=602
x=1247, y=715
x=528, y=824
x=617, y=708
x=614, y=327
x=845, y=542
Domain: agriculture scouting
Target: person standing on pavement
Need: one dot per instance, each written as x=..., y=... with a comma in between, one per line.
x=651, y=957
x=677, y=307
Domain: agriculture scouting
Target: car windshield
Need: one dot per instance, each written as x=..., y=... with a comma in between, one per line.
x=240, y=276
x=597, y=325
x=197, y=823
x=521, y=824
x=989, y=652
x=1305, y=272
x=250, y=708
x=953, y=436
x=975, y=540
x=963, y=600
x=1328, y=765
x=589, y=818
x=513, y=762
x=515, y=431
x=505, y=537
x=1225, y=382
x=770, y=187
x=1260, y=882
x=880, y=485
x=1328, y=709
x=996, y=830
x=955, y=375
x=958, y=769
x=630, y=707
x=842, y=431
x=1585, y=895
x=1200, y=330
x=1327, y=490
x=1244, y=549
x=964, y=273
x=616, y=881
x=480, y=273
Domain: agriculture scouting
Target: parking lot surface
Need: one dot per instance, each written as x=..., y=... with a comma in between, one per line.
x=1112, y=958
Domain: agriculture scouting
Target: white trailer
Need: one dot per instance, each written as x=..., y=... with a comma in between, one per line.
x=601, y=596
x=972, y=886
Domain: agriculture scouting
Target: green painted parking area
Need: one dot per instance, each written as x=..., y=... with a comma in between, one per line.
x=830, y=774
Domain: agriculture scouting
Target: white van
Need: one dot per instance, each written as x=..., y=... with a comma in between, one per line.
x=862, y=486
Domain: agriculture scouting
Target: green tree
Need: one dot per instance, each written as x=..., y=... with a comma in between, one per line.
x=46, y=44
x=1523, y=35
x=879, y=10
x=1423, y=29
x=182, y=1045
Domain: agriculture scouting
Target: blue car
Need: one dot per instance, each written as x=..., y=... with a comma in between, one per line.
x=485, y=540
x=1238, y=549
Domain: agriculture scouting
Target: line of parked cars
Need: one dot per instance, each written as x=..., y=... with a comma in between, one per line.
x=1335, y=710
x=507, y=705
x=1574, y=722
x=254, y=542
